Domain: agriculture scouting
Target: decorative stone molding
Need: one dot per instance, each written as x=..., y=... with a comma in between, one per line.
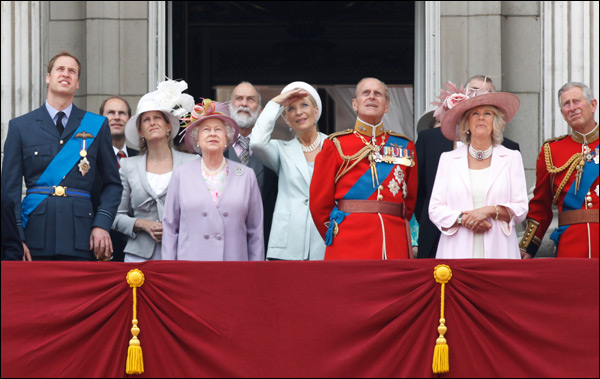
x=570, y=53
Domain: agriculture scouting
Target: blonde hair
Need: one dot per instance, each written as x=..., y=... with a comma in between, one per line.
x=498, y=126
x=312, y=101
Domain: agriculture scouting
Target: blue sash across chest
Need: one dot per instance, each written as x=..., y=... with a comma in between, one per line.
x=363, y=188
x=574, y=201
x=62, y=163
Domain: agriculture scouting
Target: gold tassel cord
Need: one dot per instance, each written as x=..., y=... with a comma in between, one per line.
x=441, y=363
x=135, y=360
x=576, y=162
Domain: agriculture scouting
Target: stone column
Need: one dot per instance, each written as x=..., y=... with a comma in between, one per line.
x=22, y=71
x=117, y=35
x=570, y=50
x=471, y=40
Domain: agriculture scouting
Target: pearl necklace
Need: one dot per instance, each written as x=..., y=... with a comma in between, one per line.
x=313, y=146
x=480, y=154
x=210, y=172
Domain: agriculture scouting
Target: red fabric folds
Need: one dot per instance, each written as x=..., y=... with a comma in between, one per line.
x=536, y=318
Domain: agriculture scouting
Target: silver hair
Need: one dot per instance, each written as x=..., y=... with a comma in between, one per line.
x=387, y=91
x=196, y=129
x=587, y=92
x=259, y=98
x=497, y=127
x=484, y=78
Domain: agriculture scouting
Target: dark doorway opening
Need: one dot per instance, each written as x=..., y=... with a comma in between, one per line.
x=276, y=42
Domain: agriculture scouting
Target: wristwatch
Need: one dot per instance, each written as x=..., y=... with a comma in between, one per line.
x=459, y=220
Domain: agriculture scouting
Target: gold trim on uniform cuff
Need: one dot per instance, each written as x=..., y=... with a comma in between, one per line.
x=529, y=236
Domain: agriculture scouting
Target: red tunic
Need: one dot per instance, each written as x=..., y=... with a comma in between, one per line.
x=578, y=240
x=362, y=235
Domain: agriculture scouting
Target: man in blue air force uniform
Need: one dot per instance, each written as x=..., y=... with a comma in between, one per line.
x=59, y=149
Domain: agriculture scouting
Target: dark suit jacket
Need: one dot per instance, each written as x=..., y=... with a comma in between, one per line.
x=267, y=183
x=59, y=225
x=119, y=240
x=12, y=248
x=430, y=145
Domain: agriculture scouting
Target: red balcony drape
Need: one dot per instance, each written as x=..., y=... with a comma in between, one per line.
x=535, y=318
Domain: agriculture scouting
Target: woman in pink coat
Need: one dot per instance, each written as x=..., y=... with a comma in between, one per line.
x=213, y=210
x=480, y=191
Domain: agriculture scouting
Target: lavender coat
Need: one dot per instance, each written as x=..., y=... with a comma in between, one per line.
x=196, y=229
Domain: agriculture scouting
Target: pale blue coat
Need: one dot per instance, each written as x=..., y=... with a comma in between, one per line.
x=294, y=235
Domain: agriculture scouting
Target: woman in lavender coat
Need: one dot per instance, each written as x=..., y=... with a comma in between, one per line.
x=213, y=210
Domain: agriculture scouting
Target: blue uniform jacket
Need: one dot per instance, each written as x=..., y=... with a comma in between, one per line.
x=59, y=225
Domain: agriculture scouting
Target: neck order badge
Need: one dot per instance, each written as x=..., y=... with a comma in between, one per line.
x=63, y=162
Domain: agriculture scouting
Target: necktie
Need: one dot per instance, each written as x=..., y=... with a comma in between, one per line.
x=59, y=124
x=120, y=155
x=245, y=145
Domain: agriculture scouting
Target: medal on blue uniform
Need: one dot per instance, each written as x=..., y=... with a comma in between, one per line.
x=84, y=164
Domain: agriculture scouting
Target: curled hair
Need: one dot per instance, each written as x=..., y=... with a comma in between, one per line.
x=196, y=130
x=498, y=126
x=142, y=141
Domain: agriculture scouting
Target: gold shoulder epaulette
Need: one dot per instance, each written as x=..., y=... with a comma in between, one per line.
x=337, y=134
x=392, y=133
x=555, y=139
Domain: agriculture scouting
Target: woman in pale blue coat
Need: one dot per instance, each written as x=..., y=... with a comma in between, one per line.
x=294, y=235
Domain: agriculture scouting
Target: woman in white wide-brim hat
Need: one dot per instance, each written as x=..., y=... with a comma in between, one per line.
x=213, y=211
x=294, y=235
x=146, y=177
x=480, y=190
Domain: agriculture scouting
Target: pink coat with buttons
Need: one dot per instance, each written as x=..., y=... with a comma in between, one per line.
x=196, y=229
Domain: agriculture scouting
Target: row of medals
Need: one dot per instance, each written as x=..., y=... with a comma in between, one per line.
x=393, y=155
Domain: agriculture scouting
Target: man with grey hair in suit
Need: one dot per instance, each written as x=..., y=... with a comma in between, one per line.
x=244, y=108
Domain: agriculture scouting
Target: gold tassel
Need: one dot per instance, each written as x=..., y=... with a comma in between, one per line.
x=441, y=363
x=135, y=359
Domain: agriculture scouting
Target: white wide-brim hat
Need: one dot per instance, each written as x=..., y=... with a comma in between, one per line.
x=146, y=104
x=308, y=88
x=506, y=102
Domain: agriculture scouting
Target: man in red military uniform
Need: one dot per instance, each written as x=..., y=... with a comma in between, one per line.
x=364, y=185
x=567, y=176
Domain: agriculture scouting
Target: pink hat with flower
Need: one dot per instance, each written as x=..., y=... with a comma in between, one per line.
x=203, y=111
x=456, y=101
